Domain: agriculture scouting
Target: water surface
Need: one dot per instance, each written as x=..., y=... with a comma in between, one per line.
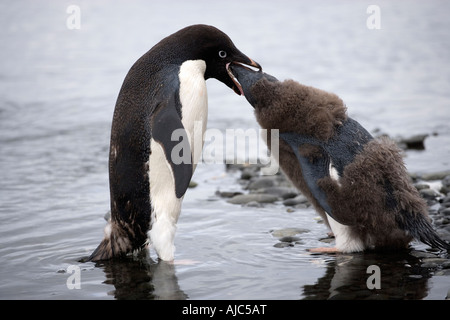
x=57, y=93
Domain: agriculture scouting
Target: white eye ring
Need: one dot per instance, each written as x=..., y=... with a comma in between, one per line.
x=222, y=54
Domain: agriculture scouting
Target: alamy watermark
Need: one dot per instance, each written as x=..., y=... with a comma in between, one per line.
x=234, y=146
x=374, y=280
x=373, y=22
x=74, y=280
x=73, y=21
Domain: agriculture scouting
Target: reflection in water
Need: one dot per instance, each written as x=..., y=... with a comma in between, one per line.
x=141, y=277
x=346, y=278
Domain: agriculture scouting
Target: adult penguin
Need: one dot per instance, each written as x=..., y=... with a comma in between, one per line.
x=358, y=184
x=162, y=102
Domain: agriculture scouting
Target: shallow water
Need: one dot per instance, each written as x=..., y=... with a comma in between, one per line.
x=57, y=94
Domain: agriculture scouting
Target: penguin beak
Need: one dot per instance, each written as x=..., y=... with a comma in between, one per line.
x=250, y=65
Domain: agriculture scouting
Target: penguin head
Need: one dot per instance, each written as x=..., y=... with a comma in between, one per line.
x=216, y=49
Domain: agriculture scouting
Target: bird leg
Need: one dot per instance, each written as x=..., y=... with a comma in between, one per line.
x=324, y=250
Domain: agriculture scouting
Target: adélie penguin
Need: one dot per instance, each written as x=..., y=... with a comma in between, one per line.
x=358, y=184
x=163, y=100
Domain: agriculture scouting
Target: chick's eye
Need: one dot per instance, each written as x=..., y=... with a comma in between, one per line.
x=222, y=54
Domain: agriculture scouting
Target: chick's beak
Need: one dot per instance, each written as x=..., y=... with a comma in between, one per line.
x=248, y=64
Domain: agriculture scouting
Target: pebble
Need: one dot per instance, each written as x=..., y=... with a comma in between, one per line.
x=446, y=185
x=440, y=175
x=282, y=192
x=415, y=142
x=420, y=186
x=288, y=232
x=283, y=244
x=289, y=239
x=300, y=199
x=228, y=194
x=261, y=183
x=429, y=194
x=258, y=197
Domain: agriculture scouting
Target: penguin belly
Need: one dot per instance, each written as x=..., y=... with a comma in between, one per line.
x=166, y=206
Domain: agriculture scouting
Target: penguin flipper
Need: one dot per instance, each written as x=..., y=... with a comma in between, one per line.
x=167, y=129
x=312, y=169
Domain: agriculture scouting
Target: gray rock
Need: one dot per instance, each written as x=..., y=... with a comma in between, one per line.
x=282, y=192
x=446, y=181
x=289, y=239
x=283, y=244
x=421, y=186
x=446, y=200
x=192, y=184
x=288, y=232
x=422, y=254
x=445, y=211
x=254, y=204
x=300, y=199
x=261, y=183
x=228, y=194
x=415, y=142
x=436, y=175
x=429, y=194
x=437, y=261
x=249, y=173
x=258, y=197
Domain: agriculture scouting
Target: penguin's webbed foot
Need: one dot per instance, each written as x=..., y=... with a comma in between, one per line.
x=325, y=250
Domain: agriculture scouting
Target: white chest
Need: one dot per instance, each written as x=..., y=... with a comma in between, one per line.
x=194, y=102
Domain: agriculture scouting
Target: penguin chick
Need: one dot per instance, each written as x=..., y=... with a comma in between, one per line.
x=359, y=185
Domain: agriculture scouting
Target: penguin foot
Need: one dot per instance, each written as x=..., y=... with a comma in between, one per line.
x=324, y=250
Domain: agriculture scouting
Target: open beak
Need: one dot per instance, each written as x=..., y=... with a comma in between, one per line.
x=250, y=66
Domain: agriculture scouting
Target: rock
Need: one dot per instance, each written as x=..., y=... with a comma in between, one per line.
x=282, y=192
x=446, y=181
x=445, y=211
x=258, y=197
x=300, y=199
x=415, y=142
x=254, y=204
x=289, y=239
x=422, y=254
x=288, y=232
x=436, y=175
x=420, y=186
x=249, y=173
x=283, y=245
x=429, y=194
x=192, y=184
x=261, y=183
x=435, y=260
x=228, y=194
x=446, y=200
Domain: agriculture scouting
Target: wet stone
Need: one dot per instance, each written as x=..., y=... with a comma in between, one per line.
x=445, y=185
x=282, y=192
x=228, y=194
x=257, y=197
x=436, y=175
x=261, y=183
x=288, y=232
x=289, y=239
x=300, y=199
x=421, y=186
x=283, y=245
x=445, y=211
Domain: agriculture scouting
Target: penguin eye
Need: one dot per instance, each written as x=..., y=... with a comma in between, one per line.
x=222, y=54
